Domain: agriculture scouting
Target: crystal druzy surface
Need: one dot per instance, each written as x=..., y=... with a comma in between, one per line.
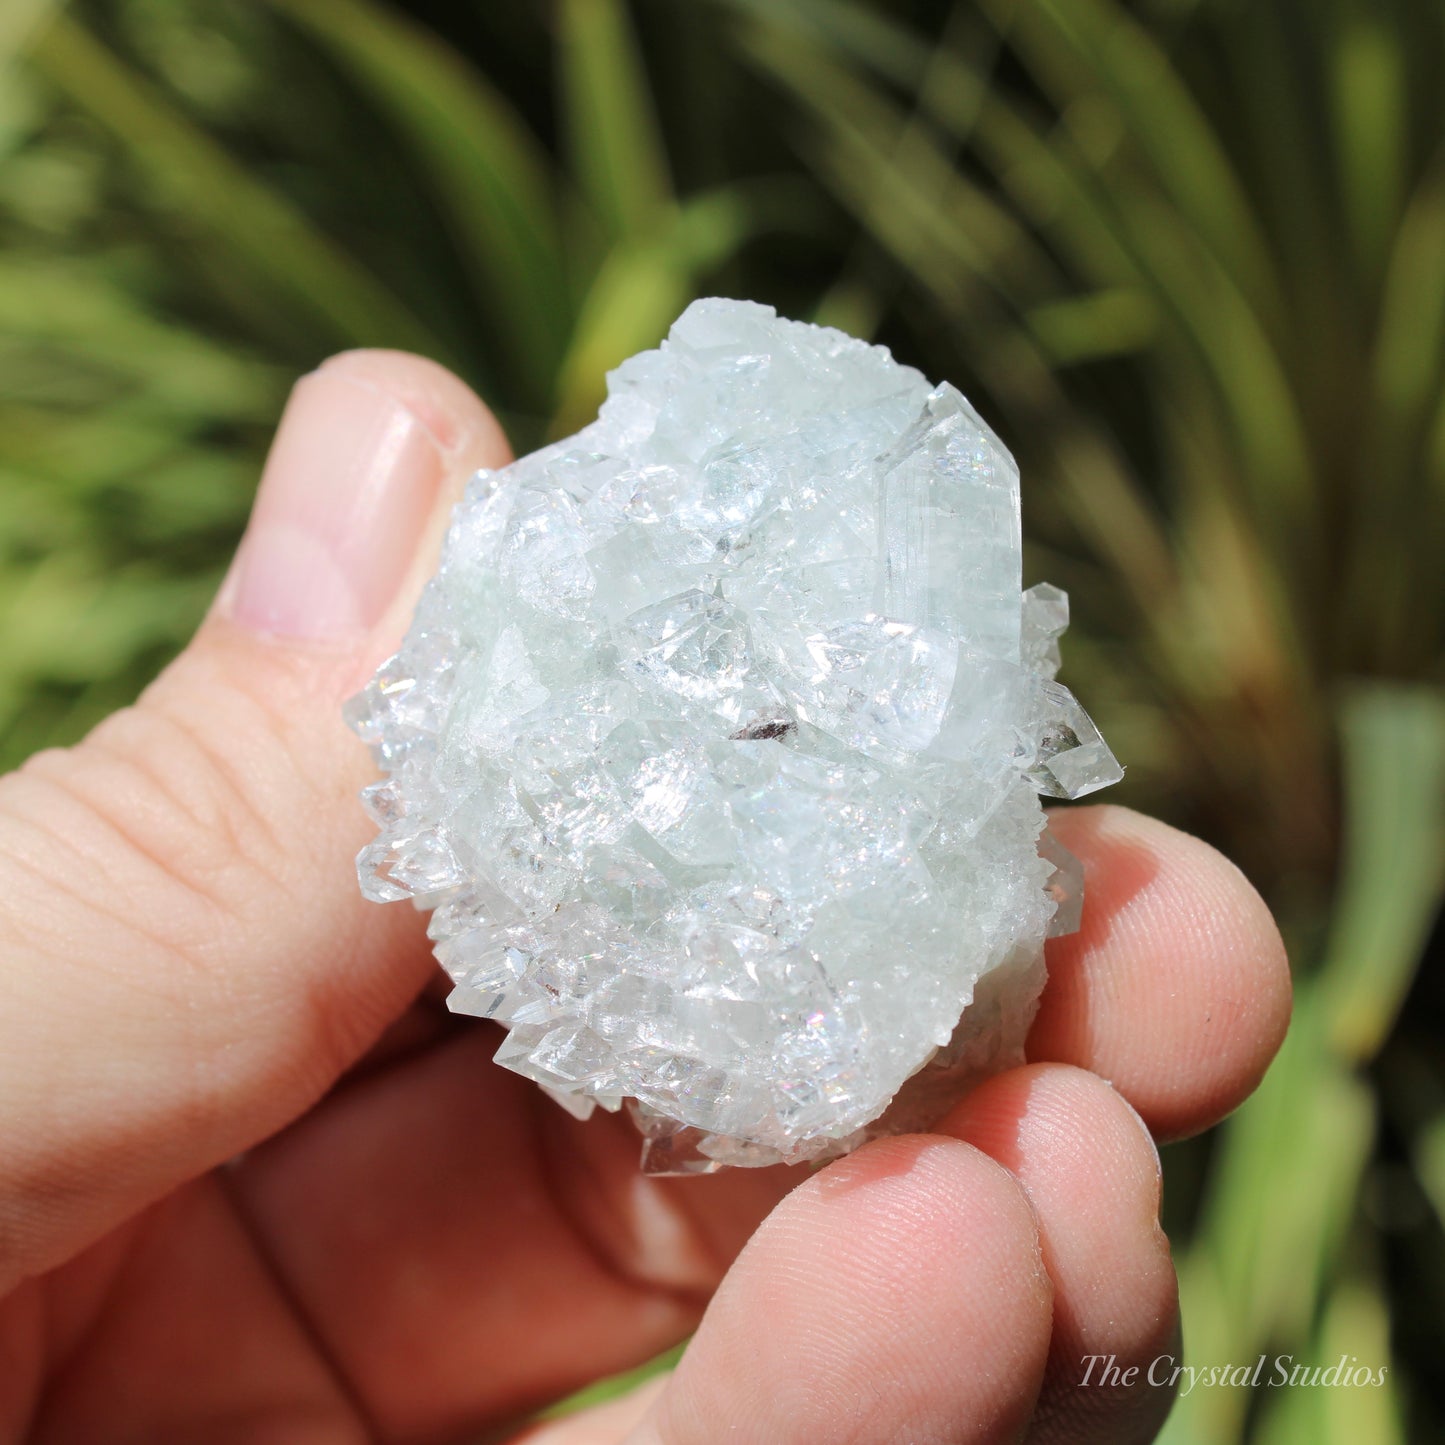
x=716, y=746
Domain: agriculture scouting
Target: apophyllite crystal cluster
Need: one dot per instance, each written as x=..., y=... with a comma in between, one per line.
x=716, y=746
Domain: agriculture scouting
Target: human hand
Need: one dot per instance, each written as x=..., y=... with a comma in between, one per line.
x=257, y=1185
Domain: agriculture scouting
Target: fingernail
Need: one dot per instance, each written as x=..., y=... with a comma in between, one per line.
x=347, y=490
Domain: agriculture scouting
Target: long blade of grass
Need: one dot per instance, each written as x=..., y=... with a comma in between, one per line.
x=1249, y=381
x=943, y=227
x=489, y=175
x=1409, y=348
x=1077, y=46
x=1355, y=1328
x=19, y=19
x=92, y=452
x=639, y=290
x=1277, y=53
x=70, y=308
x=894, y=51
x=1392, y=878
x=1292, y=1159
x=1129, y=239
x=1282, y=1192
x=617, y=150
x=1394, y=557
x=1368, y=91
x=289, y=262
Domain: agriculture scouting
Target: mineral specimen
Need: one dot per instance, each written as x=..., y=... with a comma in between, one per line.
x=715, y=746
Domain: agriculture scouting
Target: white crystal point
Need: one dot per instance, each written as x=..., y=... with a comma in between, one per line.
x=716, y=746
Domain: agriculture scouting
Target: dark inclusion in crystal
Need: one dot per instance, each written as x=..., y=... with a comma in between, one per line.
x=764, y=730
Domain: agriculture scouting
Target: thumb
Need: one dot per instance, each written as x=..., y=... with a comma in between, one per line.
x=188, y=964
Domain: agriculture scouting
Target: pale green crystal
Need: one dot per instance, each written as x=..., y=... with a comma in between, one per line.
x=716, y=744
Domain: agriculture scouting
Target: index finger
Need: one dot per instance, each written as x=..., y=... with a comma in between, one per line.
x=1176, y=988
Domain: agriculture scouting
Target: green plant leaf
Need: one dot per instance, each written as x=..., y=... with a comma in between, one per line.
x=1084, y=47
x=1392, y=877
x=1355, y=1328
x=488, y=173
x=71, y=310
x=617, y=151
x=1282, y=1193
x=1368, y=86
x=893, y=50
x=1410, y=347
x=277, y=250
x=19, y=19
x=638, y=292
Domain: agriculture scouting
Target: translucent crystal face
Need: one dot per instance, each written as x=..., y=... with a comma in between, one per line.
x=716, y=746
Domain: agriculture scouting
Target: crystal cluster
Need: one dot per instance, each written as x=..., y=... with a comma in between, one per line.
x=716, y=745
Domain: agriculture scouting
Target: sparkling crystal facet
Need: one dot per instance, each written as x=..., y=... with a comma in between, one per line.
x=716, y=745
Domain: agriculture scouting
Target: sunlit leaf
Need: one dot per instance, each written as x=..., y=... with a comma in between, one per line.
x=487, y=170
x=1392, y=879
x=1370, y=105
x=618, y=154
x=72, y=309
x=1082, y=44
x=284, y=257
x=639, y=290
x=19, y=19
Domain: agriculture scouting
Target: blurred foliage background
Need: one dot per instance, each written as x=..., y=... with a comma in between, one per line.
x=1189, y=257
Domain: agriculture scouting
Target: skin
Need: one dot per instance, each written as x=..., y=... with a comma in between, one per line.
x=257, y=1185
